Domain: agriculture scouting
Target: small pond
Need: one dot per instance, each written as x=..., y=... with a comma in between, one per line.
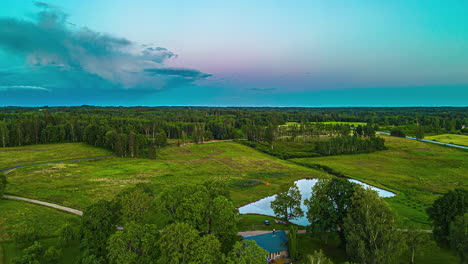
x=305, y=187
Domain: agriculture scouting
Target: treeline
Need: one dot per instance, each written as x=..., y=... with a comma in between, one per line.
x=282, y=141
x=349, y=145
x=137, y=131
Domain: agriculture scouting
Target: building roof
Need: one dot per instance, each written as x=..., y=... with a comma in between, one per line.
x=271, y=243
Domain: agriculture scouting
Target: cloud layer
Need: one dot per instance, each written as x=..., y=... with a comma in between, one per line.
x=59, y=56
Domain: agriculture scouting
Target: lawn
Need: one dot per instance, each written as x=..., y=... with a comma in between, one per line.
x=450, y=138
x=418, y=172
x=15, y=156
x=250, y=174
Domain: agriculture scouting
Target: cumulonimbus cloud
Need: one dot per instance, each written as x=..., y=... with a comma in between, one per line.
x=59, y=54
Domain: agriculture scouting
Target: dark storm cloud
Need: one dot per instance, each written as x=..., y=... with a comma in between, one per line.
x=189, y=73
x=62, y=57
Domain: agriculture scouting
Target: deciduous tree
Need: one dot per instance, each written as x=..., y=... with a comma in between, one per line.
x=371, y=231
x=287, y=205
x=444, y=210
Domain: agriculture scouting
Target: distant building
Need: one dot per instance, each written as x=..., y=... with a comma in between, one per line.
x=275, y=243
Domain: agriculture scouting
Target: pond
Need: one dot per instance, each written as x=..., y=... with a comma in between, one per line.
x=305, y=187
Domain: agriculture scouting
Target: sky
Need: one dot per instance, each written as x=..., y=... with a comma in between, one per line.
x=234, y=53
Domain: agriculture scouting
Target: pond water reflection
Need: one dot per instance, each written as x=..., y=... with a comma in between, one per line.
x=305, y=187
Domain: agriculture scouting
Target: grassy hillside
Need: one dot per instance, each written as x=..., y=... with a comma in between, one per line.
x=450, y=138
x=15, y=156
x=251, y=174
x=419, y=172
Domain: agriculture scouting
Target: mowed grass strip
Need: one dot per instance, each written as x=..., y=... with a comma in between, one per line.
x=16, y=156
x=450, y=138
x=419, y=172
x=251, y=175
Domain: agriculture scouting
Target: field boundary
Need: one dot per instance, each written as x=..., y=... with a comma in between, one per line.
x=51, y=205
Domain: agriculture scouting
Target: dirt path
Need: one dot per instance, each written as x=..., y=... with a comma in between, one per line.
x=8, y=170
x=56, y=206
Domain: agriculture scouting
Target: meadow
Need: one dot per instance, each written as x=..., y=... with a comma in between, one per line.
x=251, y=175
x=16, y=156
x=450, y=138
x=418, y=172
x=46, y=221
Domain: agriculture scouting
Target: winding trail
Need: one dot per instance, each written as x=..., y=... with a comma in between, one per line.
x=56, y=206
x=54, y=162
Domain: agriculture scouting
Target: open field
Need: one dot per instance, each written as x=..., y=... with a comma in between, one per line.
x=251, y=175
x=450, y=138
x=46, y=220
x=418, y=172
x=16, y=156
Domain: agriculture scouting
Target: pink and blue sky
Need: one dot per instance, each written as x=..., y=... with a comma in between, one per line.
x=234, y=53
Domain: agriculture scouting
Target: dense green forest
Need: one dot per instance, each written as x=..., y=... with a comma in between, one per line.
x=140, y=131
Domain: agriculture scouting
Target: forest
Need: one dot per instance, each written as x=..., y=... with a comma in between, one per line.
x=140, y=131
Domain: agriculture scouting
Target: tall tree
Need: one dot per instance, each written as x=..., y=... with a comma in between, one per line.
x=329, y=204
x=418, y=242
x=293, y=242
x=246, y=252
x=444, y=210
x=97, y=225
x=224, y=220
x=287, y=205
x=135, y=206
x=458, y=237
x=136, y=243
x=181, y=243
x=371, y=231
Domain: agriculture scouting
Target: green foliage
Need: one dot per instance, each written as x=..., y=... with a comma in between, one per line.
x=287, y=205
x=24, y=235
x=68, y=233
x=223, y=222
x=458, y=236
x=181, y=243
x=187, y=203
x=137, y=243
x=292, y=242
x=370, y=230
x=318, y=258
x=98, y=223
x=36, y=254
x=135, y=206
x=444, y=210
x=418, y=242
x=246, y=252
x=328, y=205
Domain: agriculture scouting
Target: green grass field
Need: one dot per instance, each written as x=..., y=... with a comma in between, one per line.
x=450, y=138
x=250, y=174
x=46, y=220
x=418, y=172
x=15, y=156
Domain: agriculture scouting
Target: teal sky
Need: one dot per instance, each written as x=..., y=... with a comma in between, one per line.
x=259, y=53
